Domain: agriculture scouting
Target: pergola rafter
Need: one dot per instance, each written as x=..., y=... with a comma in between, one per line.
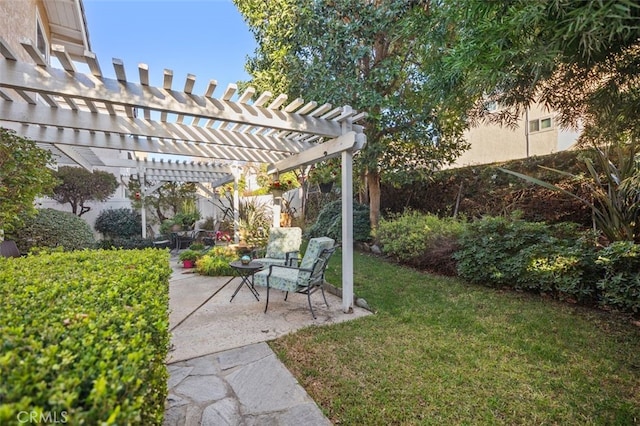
x=169, y=134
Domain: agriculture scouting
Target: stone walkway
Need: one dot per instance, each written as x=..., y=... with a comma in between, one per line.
x=244, y=386
x=220, y=370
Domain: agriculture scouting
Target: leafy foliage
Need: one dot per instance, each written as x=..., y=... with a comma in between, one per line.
x=79, y=186
x=421, y=240
x=329, y=222
x=129, y=243
x=166, y=201
x=54, y=228
x=614, y=194
x=575, y=57
x=363, y=54
x=24, y=175
x=620, y=285
x=255, y=221
x=85, y=333
x=498, y=251
x=119, y=223
x=483, y=190
x=216, y=262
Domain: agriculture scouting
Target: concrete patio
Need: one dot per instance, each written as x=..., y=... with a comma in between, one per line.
x=221, y=371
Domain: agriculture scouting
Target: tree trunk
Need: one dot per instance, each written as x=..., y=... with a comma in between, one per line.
x=373, y=182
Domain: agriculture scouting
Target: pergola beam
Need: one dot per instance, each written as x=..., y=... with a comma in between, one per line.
x=81, y=120
x=17, y=75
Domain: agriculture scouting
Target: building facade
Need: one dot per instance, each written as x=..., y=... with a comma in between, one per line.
x=536, y=133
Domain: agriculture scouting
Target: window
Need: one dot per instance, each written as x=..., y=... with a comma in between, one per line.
x=538, y=125
x=41, y=39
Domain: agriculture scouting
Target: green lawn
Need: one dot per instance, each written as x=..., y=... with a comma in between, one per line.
x=439, y=351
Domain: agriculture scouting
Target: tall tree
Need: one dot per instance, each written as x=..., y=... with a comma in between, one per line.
x=79, y=186
x=24, y=175
x=365, y=54
x=579, y=58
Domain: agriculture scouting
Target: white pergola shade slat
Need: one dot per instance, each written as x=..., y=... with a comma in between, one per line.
x=79, y=114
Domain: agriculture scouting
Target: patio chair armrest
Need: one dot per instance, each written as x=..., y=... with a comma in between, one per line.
x=286, y=267
x=292, y=256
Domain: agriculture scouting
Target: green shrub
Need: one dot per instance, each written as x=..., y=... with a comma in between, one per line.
x=85, y=333
x=621, y=283
x=126, y=243
x=215, y=262
x=500, y=251
x=54, y=228
x=119, y=223
x=421, y=240
x=329, y=222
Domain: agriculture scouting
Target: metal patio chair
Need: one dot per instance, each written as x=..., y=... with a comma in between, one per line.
x=305, y=279
x=283, y=246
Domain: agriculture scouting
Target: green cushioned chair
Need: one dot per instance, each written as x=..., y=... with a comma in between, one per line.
x=306, y=278
x=283, y=246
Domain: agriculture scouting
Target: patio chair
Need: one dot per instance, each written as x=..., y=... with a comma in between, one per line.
x=283, y=246
x=8, y=248
x=306, y=279
x=183, y=239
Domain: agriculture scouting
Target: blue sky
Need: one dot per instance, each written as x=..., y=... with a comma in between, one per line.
x=207, y=38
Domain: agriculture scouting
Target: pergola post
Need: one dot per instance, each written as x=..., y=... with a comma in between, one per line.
x=347, y=221
x=143, y=209
x=236, y=205
x=347, y=231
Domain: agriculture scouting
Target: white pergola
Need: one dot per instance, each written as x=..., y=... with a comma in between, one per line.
x=199, y=137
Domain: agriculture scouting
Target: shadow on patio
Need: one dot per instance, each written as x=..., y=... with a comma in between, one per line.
x=220, y=369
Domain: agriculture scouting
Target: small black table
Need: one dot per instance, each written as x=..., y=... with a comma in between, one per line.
x=245, y=272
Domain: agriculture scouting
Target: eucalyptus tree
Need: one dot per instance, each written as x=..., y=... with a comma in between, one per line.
x=366, y=54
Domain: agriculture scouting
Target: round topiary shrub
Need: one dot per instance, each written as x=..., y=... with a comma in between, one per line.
x=54, y=228
x=119, y=223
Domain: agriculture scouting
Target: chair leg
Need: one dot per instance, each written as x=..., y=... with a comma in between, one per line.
x=286, y=295
x=267, y=304
x=323, y=296
x=310, y=307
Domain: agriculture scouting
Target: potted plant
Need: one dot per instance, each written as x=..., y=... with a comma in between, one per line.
x=191, y=255
x=325, y=174
x=277, y=187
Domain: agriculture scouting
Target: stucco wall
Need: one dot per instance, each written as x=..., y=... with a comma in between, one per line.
x=493, y=143
x=18, y=22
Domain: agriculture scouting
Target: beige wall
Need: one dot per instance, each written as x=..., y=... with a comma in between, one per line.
x=19, y=21
x=492, y=143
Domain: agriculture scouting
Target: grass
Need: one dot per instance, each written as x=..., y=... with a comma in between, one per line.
x=439, y=351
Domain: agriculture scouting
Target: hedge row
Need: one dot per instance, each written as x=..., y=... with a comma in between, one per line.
x=559, y=260
x=85, y=337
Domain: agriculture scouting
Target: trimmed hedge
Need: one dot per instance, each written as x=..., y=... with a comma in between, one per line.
x=85, y=336
x=53, y=228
